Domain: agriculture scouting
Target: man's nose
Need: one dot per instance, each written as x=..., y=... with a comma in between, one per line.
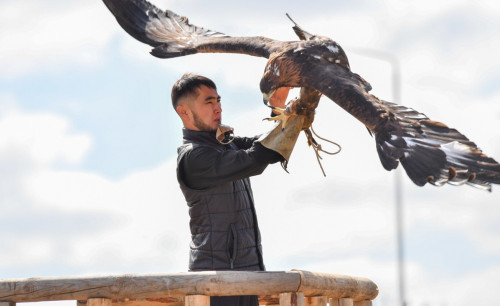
x=218, y=108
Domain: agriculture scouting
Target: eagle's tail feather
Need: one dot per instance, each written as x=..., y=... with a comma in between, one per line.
x=432, y=152
x=301, y=33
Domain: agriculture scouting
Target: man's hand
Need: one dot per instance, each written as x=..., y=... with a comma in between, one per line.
x=278, y=99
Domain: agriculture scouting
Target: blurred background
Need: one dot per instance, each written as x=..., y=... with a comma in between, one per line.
x=88, y=142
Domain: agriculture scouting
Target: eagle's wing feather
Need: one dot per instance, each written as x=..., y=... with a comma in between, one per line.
x=172, y=35
x=428, y=150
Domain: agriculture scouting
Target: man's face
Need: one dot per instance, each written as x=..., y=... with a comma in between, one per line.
x=205, y=110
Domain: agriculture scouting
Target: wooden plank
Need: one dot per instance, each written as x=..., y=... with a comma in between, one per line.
x=7, y=304
x=99, y=302
x=197, y=300
x=216, y=283
x=346, y=302
x=315, y=301
x=337, y=286
x=363, y=303
x=221, y=283
x=292, y=299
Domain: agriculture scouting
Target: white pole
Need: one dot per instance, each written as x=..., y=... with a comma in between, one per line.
x=398, y=199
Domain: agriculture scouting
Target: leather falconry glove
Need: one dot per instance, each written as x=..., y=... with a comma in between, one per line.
x=283, y=140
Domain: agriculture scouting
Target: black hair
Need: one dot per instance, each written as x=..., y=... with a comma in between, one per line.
x=188, y=85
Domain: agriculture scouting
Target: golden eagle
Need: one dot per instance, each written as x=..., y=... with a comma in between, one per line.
x=428, y=150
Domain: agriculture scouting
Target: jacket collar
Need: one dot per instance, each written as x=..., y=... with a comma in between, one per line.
x=201, y=137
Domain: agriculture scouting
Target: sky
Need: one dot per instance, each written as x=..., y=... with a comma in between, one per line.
x=88, y=143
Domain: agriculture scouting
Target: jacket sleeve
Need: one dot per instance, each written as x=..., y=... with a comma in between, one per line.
x=204, y=166
x=245, y=143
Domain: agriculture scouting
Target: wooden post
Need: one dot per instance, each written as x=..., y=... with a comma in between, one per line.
x=316, y=301
x=197, y=300
x=363, y=303
x=292, y=299
x=333, y=302
x=99, y=302
x=346, y=302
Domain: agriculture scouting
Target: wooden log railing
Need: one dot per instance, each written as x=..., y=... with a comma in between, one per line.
x=194, y=288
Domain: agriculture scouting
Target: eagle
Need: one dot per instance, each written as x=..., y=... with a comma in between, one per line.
x=430, y=151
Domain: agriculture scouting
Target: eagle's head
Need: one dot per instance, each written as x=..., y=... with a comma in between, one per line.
x=281, y=71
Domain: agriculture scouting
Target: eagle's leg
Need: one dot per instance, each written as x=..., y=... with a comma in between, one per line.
x=310, y=139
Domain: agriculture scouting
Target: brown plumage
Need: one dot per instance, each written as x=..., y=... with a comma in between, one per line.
x=428, y=150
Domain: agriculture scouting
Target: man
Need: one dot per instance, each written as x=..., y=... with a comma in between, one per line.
x=214, y=179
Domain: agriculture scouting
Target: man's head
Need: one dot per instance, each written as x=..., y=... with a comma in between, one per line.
x=195, y=99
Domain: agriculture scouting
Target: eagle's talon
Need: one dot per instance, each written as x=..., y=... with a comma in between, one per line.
x=283, y=116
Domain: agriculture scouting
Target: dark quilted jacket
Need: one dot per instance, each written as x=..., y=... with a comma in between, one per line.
x=214, y=180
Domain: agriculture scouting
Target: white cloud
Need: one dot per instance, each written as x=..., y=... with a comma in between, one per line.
x=49, y=35
x=43, y=137
x=34, y=251
x=477, y=288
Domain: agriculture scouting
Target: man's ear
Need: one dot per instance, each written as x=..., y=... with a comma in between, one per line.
x=182, y=110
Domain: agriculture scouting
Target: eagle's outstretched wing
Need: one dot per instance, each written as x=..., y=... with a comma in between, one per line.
x=172, y=35
x=428, y=150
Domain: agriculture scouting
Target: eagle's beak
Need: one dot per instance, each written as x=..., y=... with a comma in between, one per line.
x=266, y=97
